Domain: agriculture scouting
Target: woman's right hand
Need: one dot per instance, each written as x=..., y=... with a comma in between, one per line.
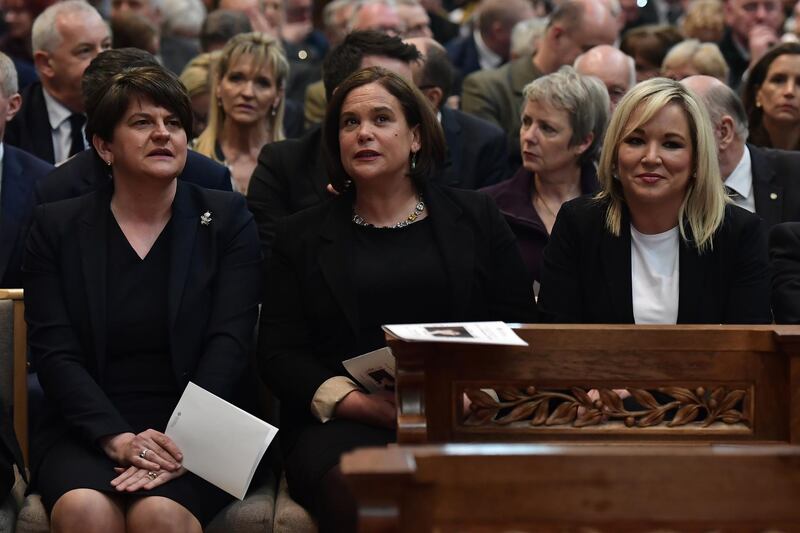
x=376, y=409
x=150, y=449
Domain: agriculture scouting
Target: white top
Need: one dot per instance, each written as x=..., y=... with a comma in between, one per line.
x=741, y=181
x=486, y=57
x=61, y=130
x=654, y=276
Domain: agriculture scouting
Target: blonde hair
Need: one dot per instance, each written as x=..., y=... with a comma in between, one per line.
x=196, y=76
x=703, y=206
x=264, y=50
x=704, y=20
x=704, y=57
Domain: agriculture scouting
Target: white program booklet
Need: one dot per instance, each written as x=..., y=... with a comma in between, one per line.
x=463, y=332
x=374, y=370
x=220, y=442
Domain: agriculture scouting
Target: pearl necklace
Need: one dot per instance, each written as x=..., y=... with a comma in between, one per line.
x=358, y=220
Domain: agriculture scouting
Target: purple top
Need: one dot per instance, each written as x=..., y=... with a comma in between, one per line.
x=514, y=198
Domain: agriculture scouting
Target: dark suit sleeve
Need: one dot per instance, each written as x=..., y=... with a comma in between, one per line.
x=57, y=352
x=286, y=352
x=784, y=250
x=495, y=157
x=748, y=301
x=268, y=196
x=236, y=294
x=225, y=183
x=560, y=290
x=511, y=295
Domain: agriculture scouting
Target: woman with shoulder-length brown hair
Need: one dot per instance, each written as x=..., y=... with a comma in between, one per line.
x=660, y=243
x=392, y=247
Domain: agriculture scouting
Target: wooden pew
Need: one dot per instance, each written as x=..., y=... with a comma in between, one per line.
x=692, y=384
x=576, y=488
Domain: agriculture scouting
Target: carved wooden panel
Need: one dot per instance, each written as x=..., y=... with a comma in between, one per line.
x=666, y=407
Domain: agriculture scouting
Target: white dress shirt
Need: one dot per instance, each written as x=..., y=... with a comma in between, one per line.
x=486, y=57
x=741, y=182
x=60, y=128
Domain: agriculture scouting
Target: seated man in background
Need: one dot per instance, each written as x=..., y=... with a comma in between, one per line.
x=613, y=67
x=86, y=172
x=20, y=171
x=476, y=149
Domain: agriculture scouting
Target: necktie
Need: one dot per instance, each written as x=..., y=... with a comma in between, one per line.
x=76, y=122
x=733, y=195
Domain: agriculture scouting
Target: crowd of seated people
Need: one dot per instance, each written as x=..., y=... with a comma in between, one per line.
x=353, y=163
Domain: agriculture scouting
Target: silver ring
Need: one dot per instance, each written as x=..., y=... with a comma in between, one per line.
x=152, y=475
x=143, y=453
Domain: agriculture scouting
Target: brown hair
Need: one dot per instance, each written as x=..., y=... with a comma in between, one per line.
x=417, y=112
x=154, y=83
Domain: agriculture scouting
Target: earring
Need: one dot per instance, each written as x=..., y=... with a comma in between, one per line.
x=413, y=160
x=108, y=162
x=347, y=184
x=758, y=104
x=274, y=110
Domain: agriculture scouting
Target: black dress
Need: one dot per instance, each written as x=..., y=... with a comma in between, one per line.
x=400, y=278
x=139, y=380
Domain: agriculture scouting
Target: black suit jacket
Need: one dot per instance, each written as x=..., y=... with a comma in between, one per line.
x=85, y=172
x=775, y=184
x=586, y=271
x=784, y=252
x=312, y=319
x=463, y=54
x=476, y=151
x=213, y=297
x=21, y=171
x=736, y=62
x=30, y=128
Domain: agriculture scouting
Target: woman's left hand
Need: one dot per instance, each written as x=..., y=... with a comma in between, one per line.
x=133, y=478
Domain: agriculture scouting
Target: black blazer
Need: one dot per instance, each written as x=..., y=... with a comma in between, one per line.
x=21, y=171
x=311, y=322
x=30, y=129
x=214, y=290
x=476, y=151
x=85, y=172
x=775, y=184
x=586, y=271
x=784, y=252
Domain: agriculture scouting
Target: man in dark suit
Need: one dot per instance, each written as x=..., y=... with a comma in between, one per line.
x=66, y=37
x=85, y=171
x=784, y=254
x=291, y=175
x=476, y=149
x=758, y=179
x=752, y=29
x=489, y=44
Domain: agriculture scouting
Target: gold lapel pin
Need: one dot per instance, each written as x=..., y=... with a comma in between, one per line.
x=773, y=196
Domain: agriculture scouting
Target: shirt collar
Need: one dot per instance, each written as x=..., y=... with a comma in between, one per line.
x=741, y=179
x=486, y=57
x=57, y=112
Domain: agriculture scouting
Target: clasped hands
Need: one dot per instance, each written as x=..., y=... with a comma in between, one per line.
x=147, y=460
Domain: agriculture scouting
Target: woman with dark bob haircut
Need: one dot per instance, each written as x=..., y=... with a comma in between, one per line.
x=392, y=247
x=131, y=292
x=771, y=98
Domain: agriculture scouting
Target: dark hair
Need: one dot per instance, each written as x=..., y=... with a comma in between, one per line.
x=437, y=71
x=133, y=30
x=220, y=26
x=154, y=83
x=417, y=112
x=346, y=58
x=104, y=66
x=650, y=42
x=758, y=74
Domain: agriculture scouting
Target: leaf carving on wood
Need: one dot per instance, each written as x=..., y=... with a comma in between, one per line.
x=664, y=406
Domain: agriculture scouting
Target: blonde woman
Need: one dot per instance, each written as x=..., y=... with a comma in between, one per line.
x=247, y=104
x=660, y=243
x=691, y=57
x=197, y=79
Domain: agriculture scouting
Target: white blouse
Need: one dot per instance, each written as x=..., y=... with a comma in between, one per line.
x=654, y=276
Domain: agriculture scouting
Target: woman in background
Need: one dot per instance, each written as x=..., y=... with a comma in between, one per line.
x=247, y=104
x=197, y=79
x=660, y=243
x=691, y=57
x=771, y=98
x=562, y=126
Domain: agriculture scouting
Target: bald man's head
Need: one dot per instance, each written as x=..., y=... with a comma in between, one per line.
x=433, y=73
x=613, y=67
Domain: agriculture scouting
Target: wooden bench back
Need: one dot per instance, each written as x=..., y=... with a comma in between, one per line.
x=586, y=488
x=691, y=383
